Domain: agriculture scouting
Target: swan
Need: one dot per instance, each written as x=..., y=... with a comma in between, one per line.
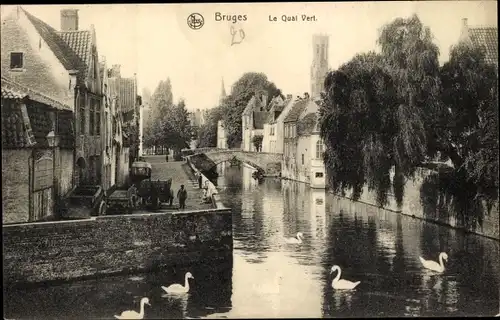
x=297, y=239
x=433, y=265
x=339, y=284
x=131, y=314
x=178, y=288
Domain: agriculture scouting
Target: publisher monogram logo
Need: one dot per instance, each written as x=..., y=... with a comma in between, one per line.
x=195, y=21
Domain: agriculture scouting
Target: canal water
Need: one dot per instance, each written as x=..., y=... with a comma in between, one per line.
x=270, y=278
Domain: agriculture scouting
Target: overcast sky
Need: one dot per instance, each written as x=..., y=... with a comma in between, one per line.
x=154, y=40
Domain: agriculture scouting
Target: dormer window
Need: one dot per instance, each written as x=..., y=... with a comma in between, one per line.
x=16, y=60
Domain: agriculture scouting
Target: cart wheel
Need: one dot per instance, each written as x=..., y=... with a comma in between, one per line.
x=102, y=209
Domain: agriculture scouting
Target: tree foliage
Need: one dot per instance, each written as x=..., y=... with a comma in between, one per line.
x=250, y=84
x=469, y=132
x=385, y=115
x=257, y=141
x=166, y=124
x=207, y=136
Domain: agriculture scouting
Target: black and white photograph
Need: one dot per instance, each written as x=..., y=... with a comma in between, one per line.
x=250, y=160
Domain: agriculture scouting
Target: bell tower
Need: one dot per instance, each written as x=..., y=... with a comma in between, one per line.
x=319, y=67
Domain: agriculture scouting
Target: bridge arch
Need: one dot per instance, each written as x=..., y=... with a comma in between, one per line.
x=270, y=163
x=233, y=157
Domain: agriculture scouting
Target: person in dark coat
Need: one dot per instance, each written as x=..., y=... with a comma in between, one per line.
x=182, y=195
x=166, y=157
x=200, y=180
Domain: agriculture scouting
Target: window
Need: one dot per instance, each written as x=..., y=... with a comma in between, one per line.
x=319, y=175
x=16, y=60
x=319, y=149
x=97, y=117
x=302, y=159
x=92, y=118
x=82, y=115
x=318, y=126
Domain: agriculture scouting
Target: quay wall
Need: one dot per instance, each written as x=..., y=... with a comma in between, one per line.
x=211, y=188
x=80, y=249
x=431, y=205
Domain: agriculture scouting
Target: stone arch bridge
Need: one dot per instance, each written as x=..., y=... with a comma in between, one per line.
x=269, y=162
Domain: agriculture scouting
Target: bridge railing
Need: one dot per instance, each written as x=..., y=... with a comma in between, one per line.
x=188, y=152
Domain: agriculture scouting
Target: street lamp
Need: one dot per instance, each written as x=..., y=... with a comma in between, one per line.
x=52, y=139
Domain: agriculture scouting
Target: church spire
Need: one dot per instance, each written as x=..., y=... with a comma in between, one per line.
x=222, y=93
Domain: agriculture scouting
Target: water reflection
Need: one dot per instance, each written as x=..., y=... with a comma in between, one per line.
x=268, y=278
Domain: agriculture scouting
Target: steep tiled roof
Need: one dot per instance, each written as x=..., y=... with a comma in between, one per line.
x=276, y=107
x=254, y=104
x=259, y=118
x=296, y=110
x=487, y=37
x=125, y=90
x=279, y=107
x=8, y=93
x=70, y=47
x=307, y=124
x=55, y=43
x=250, y=105
x=272, y=116
x=16, y=129
x=19, y=90
x=80, y=44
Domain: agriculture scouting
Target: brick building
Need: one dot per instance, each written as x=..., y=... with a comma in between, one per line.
x=252, y=121
x=303, y=147
x=64, y=65
x=37, y=153
x=126, y=105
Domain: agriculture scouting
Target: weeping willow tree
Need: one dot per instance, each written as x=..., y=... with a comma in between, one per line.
x=467, y=133
x=384, y=116
x=377, y=110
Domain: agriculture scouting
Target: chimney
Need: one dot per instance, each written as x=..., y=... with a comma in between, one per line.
x=289, y=96
x=306, y=95
x=69, y=20
x=115, y=71
x=464, y=33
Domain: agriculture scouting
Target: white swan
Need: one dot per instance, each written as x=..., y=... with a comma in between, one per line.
x=433, y=265
x=178, y=288
x=297, y=239
x=131, y=314
x=339, y=284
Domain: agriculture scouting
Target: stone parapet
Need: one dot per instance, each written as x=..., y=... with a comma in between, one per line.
x=89, y=248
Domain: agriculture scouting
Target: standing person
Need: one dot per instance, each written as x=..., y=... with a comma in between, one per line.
x=200, y=179
x=132, y=195
x=182, y=195
x=166, y=157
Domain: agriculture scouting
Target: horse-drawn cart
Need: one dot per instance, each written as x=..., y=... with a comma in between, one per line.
x=83, y=202
x=153, y=194
x=125, y=200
